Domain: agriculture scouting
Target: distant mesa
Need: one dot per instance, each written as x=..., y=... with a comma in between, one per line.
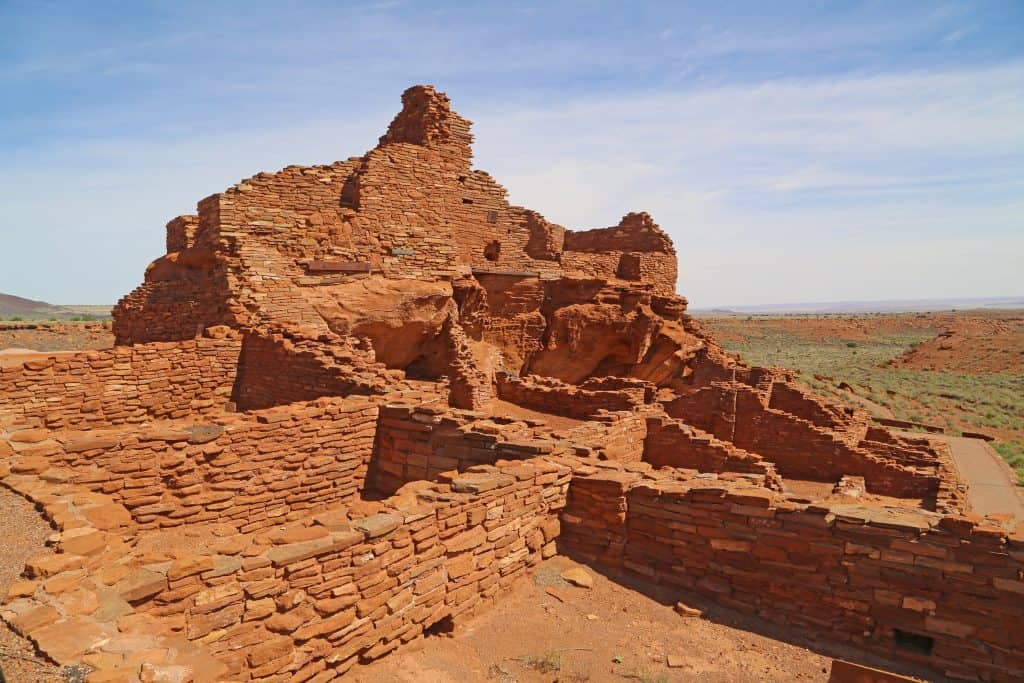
x=16, y=307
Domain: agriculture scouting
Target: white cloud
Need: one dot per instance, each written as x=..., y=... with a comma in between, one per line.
x=866, y=187
x=869, y=186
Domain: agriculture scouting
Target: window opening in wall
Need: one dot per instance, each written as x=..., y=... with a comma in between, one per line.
x=421, y=369
x=466, y=200
x=913, y=642
x=492, y=216
x=442, y=626
x=492, y=251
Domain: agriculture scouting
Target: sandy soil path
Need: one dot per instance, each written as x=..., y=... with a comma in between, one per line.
x=991, y=487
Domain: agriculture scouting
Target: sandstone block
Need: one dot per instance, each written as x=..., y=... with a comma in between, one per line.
x=190, y=566
x=108, y=516
x=34, y=618
x=141, y=584
x=89, y=442
x=578, y=576
x=466, y=540
x=377, y=525
x=271, y=648
x=66, y=641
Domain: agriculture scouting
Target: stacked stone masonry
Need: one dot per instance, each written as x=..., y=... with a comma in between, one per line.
x=253, y=470
x=128, y=384
x=353, y=403
x=864, y=576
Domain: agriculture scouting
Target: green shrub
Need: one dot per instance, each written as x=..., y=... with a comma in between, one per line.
x=1013, y=453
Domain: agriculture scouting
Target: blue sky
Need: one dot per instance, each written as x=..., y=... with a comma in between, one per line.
x=794, y=151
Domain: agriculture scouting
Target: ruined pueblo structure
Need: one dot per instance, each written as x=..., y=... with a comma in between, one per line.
x=353, y=403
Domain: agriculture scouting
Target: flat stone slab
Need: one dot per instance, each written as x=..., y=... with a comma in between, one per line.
x=141, y=584
x=508, y=273
x=377, y=525
x=481, y=484
x=66, y=641
x=283, y=555
x=91, y=442
x=338, y=267
x=204, y=433
x=888, y=517
x=578, y=576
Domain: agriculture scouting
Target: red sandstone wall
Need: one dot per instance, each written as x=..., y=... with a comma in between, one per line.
x=122, y=385
x=557, y=398
x=635, y=249
x=169, y=310
x=181, y=233
x=848, y=573
x=790, y=399
x=416, y=443
x=348, y=593
x=801, y=450
x=471, y=387
x=618, y=436
x=671, y=443
x=711, y=409
x=259, y=253
x=736, y=412
x=252, y=470
x=594, y=519
x=274, y=370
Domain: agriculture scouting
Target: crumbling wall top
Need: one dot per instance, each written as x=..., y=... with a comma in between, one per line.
x=427, y=120
x=637, y=231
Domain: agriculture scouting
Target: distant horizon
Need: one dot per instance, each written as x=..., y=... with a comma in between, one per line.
x=928, y=304
x=943, y=302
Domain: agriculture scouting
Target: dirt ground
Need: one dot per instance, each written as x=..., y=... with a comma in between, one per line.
x=972, y=345
x=24, y=532
x=983, y=341
x=46, y=336
x=609, y=632
x=992, y=338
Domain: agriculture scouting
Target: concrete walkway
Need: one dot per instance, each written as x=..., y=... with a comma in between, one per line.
x=990, y=482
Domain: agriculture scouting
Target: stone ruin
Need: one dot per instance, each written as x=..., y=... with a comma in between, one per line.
x=354, y=402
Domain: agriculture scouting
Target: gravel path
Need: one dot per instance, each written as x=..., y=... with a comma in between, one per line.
x=24, y=533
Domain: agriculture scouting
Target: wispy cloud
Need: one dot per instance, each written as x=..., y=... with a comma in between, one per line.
x=793, y=154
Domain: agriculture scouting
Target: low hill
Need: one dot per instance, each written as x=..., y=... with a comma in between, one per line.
x=16, y=307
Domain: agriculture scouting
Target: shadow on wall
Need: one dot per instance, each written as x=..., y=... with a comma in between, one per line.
x=671, y=596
